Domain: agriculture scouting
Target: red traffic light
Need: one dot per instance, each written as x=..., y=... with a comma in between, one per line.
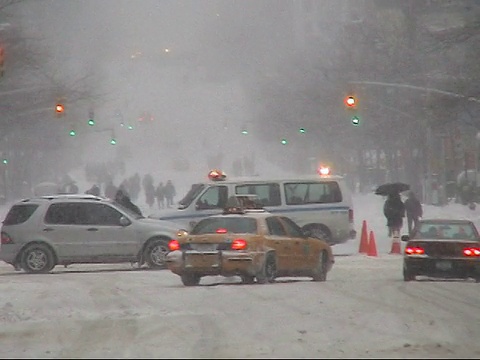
x=350, y=101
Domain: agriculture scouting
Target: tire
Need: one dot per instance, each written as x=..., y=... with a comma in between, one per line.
x=269, y=270
x=37, y=259
x=408, y=275
x=320, y=271
x=248, y=279
x=320, y=233
x=155, y=254
x=190, y=279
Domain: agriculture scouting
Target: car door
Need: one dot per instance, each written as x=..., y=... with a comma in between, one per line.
x=64, y=230
x=278, y=239
x=304, y=254
x=108, y=238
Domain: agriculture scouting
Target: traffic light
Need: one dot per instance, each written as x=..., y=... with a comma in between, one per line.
x=72, y=132
x=351, y=101
x=284, y=141
x=355, y=120
x=5, y=161
x=91, y=116
x=113, y=141
x=245, y=132
x=302, y=130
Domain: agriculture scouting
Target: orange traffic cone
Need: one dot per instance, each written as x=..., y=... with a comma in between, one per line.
x=372, y=246
x=395, y=244
x=363, y=248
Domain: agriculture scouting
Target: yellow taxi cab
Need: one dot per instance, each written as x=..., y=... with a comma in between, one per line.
x=247, y=241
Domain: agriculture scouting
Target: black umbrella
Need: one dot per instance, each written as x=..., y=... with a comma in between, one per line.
x=392, y=188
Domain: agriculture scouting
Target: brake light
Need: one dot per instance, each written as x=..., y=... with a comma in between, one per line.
x=6, y=239
x=174, y=245
x=221, y=231
x=414, y=250
x=471, y=251
x=350, y=215
x=239, y=244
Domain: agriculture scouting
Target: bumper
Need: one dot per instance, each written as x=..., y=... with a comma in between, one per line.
x=443, y=267
x=9, y=252
x=225, y=263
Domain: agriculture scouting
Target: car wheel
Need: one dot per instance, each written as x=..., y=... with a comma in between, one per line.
x=248, y=279
x=320, y=271
x=269, y=270
x=37, y=259
x=320, y=233
x=190, y=279
x=408, y=275
x=155, y=254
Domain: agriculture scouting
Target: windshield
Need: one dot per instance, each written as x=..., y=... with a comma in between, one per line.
x=194, y=191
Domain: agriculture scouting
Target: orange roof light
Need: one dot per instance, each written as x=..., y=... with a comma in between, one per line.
x=217, y=175
x=324, y=170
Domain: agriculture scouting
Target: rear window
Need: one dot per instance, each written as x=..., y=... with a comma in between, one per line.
x=19, y=214
x=446, y=231
x=235, y=225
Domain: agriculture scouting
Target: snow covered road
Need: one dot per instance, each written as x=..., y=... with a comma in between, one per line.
x=363, y=310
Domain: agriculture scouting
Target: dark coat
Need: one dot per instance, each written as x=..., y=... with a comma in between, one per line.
x=413, y=207
x=394, y=210
x=124, y=200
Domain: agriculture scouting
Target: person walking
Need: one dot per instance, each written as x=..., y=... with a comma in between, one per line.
x=160, y=194
x=169, y=191
x=414, y=211
x=394, y=211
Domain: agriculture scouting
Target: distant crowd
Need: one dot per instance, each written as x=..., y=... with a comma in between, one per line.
x=160, y=195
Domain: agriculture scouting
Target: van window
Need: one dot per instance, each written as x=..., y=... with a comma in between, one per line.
x=297, y=193
x=268, y=194
x=213, y=198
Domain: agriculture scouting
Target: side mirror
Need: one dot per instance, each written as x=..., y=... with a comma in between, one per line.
x=124, y=221
x=405, y=237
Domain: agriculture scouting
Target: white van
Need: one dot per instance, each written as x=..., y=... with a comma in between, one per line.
x=321, y=204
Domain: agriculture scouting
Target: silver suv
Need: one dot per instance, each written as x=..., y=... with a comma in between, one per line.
x=40, y=233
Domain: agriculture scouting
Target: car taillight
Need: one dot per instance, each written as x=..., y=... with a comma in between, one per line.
x=472, y=252
x=174, y=245
x=6, y=239
x=239, y=244
x=350, y=215
x=414, y=250
x=221, y=231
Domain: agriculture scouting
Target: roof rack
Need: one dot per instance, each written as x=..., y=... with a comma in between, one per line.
x=71, y=196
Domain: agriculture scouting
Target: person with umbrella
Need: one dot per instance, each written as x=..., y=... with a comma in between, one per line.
x=394, y=211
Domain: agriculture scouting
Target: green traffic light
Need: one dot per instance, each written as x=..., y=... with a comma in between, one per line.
x=302, y=131
x=356, y=120
x=91, y=122
x=113, y=141
x=130, y=127
x=284, y=142
x=244, y=132
x=72, y=133
x=5, y=161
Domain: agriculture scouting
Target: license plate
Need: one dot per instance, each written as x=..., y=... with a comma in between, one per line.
x=443, y=265
x=202, y=260
x=204, y=247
